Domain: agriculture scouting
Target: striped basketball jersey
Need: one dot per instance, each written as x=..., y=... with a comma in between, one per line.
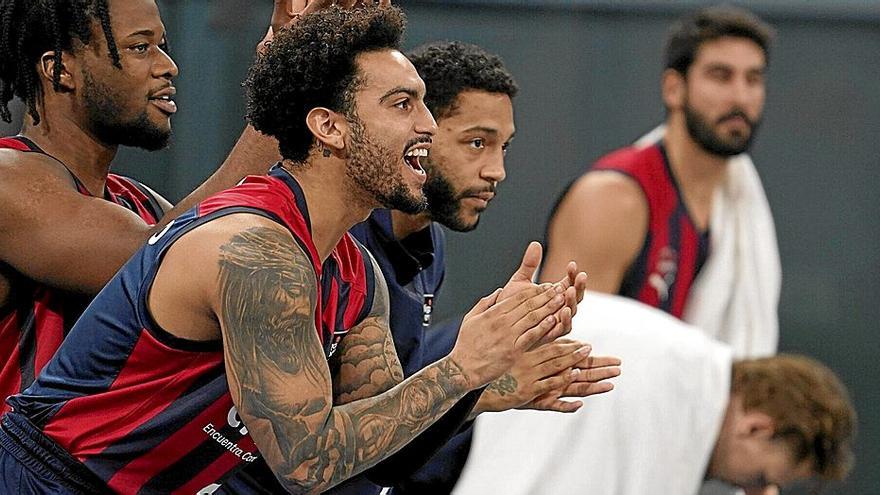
x=674, y=249
x=35, y=319
x=151, y=413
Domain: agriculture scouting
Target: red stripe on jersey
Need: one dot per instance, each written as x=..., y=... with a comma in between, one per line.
x=137, y=473
x=263, y=192
x=85, y=426
x=352, y=266
x=325, y=316
x=688, y=254
x=14, y=144
x=668, y=262
x=118, y=186
x=217, y=470
x=52, y=335
x=53, y=310
x=10, y=372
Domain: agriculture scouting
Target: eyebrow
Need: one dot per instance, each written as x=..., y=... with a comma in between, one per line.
x=487, y=130
x=149, y=33
x=724, y=66
x=400, y=89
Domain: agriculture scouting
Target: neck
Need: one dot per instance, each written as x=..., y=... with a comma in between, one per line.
x=333, y=208
x=405, y=224
x=691, y=163
x=698, y=172
x=66, y=139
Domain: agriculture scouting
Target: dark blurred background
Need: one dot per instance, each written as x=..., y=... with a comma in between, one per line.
x=589, y=74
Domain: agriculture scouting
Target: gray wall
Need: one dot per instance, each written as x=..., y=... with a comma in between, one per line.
x=589, y=73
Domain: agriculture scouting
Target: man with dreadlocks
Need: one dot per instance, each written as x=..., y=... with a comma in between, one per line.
x=93, y=75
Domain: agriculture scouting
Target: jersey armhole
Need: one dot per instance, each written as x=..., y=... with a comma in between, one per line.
x=370, y=280
x=145, y=317
x=153, y=205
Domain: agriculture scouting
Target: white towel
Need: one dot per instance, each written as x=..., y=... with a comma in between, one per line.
x=654, y=433
x=735, y=297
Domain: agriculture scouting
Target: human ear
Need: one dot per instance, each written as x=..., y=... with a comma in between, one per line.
x=673, y=87
x=759, y=425
x=49, y=64
x=328, y=127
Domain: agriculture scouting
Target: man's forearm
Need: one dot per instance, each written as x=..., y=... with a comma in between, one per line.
x=252, y=154
x=505, y=385
x=358, y=435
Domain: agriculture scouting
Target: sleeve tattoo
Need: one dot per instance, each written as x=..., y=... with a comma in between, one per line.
x=368, y=364
x=281, y=382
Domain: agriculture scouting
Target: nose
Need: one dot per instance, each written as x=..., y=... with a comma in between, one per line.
x=745, y=93
x=494, y=168
x=164, y=67
x=425, y=123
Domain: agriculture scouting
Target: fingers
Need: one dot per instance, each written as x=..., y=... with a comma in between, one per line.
x=547, y=352
x=535, y=318
x=283, y=11
x=530, y=261
x=574, y=283
x=518, y=300
x=559, y=381
x=563, y=327
x=598, y=362
x=551, y=402
x=586, y=389
x=315, y=6
x=564, y=361
x=485, y=303
x=596, y=374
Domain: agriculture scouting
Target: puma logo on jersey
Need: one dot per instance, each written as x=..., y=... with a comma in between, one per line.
x=664, y=275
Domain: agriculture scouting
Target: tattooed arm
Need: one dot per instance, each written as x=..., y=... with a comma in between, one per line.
x=367, y=363
x=281, y=383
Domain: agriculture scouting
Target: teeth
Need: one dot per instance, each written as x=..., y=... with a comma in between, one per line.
x=417, y=152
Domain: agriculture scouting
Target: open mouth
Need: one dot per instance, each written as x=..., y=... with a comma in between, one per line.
x=164, y=100
x=413, y=157
x=165, y=104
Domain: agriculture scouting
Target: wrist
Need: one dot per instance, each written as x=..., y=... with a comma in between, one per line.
x=471, y=379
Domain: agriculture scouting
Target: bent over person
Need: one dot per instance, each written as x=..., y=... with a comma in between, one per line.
x=253, y=326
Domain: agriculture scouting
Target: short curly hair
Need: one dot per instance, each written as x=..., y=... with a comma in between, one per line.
x=450, y=67
x=312, y=64
x=808, y=403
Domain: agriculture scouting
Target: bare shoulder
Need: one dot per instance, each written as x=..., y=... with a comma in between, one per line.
x=26, y=177
x=26, y=180
x=601, y=224
x=606, y=191
x=18, y=166
x=191, y=289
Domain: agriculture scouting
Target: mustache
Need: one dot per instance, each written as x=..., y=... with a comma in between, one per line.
x=417, y=141
x=737, y=113
x=474, y=191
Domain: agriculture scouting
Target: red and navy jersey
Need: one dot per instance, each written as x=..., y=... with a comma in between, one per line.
x=37, y=317
x=674, y=249
x=151, y=413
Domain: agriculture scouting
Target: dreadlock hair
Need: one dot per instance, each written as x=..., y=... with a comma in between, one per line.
x=30, y=28
x=312, y=64
x=452, y=67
